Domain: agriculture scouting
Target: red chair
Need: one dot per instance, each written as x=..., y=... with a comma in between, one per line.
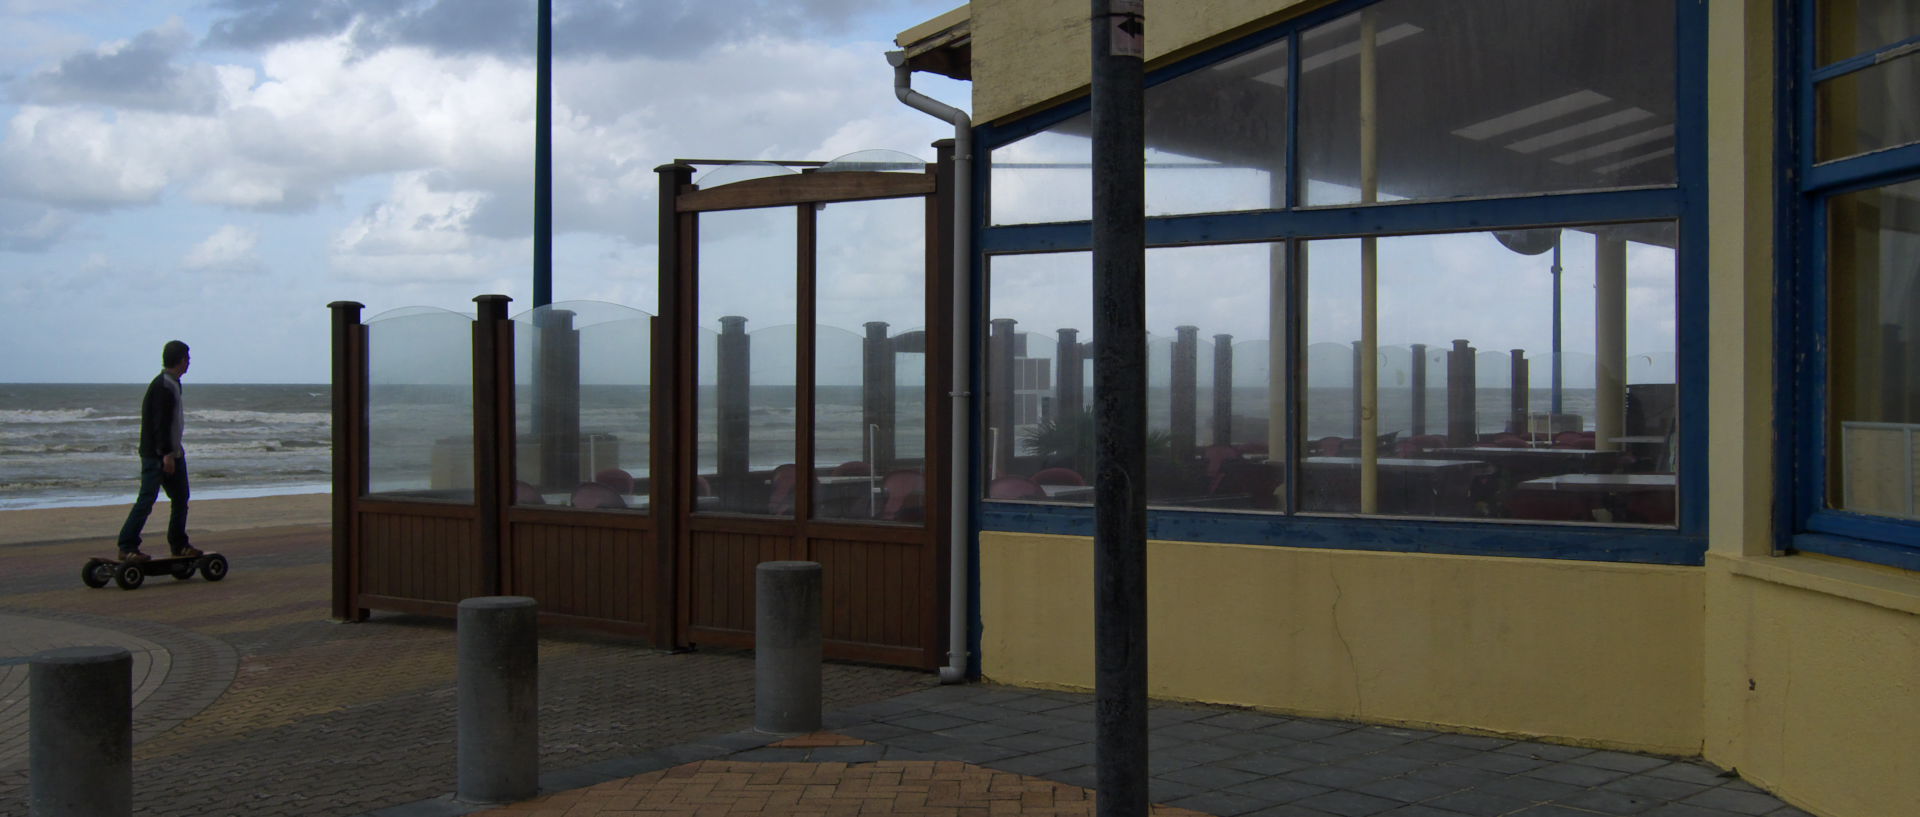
x=617, y=479
x=1328, y=446
x=701, y=487
x=1059, y=476
x=780, y=501
x=525, y=493
x=1216, y=456
x=852, y=468
x=1015, y=487
x=1504, y=441
x=596, y=495
x=905, y=492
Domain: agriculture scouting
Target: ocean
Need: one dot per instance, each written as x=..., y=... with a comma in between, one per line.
x=73, y=444
x=69, y=445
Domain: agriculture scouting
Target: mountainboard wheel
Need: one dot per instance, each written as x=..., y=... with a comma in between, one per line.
x=129, y=575
x=97, y=573
x=182, y=570
x=214, y=567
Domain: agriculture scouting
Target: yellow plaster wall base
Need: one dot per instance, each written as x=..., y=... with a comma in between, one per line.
x=1601, y=654
x=1813, y=688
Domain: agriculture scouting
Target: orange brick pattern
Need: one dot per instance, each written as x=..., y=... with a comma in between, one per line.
x=721, y=788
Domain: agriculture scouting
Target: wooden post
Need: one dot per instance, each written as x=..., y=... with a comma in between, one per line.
x=670, y=394
x=488, y=473
x=349, y=404
x=733, y=357
x=1069, y=383
x=1182, y=417
x=1000, y=402
x=879, y=394
x=1461, y=428
x=1517, y=395
x=1418, y=374
x=556, y=400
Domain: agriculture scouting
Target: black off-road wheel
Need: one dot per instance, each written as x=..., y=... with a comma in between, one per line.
x=214, y=567
x=97, y=573
x=129, y=576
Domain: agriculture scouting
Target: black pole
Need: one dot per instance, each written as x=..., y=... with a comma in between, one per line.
x=543, y=162
x=1120, y=412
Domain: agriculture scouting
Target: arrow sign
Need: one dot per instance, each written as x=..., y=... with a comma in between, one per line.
x=1129, y=34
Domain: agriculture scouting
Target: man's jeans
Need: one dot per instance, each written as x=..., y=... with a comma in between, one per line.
x=152, y=479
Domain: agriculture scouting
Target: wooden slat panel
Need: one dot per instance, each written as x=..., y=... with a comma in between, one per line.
x=421, y=557
x=582, y=571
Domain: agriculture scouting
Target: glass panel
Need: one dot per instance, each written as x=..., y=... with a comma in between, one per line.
x=1483, y=427
x=1868, y=109
x=420, y=405
x=1849, y=28
x=581, y=371
x=1487, y=97
x=869, y=432
x=1874, y=318
x=745, y=447
x=1216, y=141
x=1038, y=440
x=1208, y=428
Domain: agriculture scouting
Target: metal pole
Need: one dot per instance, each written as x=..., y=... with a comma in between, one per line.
x=1119, y=372
x=543, y=162
x=1556, y=326
x=1367, y=370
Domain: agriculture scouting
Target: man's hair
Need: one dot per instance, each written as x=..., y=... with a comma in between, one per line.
x=171, y=354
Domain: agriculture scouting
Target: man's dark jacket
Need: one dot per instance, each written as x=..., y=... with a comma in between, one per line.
x=157, y=412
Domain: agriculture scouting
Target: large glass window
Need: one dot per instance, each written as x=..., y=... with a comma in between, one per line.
x=1410, y=99
x=420, y=405
x=1519, y=375
x=1214, y=419
x=1859, y=195
x=1332, y=331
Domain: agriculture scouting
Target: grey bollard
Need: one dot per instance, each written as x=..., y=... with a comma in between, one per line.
x=81, y=732
x=786, y=648
x=498, y=756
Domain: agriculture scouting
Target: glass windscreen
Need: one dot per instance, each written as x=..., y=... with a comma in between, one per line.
x=1526, y=375
x=745, y=447
x=420, y=405
x=581, y=406
x=1412, y=99
x=1873, y=325
x=870, y=349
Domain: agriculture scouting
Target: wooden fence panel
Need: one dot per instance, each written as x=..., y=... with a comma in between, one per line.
x=429, y=558
x=584, y=570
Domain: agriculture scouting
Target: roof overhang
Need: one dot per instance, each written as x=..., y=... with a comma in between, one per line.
x=942, y=45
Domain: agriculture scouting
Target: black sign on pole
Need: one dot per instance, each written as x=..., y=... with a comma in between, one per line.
x=1120, y=411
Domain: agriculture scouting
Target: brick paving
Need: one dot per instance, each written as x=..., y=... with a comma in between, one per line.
x=256, y=704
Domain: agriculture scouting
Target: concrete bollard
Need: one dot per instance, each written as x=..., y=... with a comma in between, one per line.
x=80, y=742
x=498, y=759
x=786, y=648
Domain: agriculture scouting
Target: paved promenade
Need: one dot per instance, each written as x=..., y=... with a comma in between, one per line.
x=248, y=701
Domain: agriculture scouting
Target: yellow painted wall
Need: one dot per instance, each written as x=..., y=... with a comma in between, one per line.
x=1580, y=651
x=1029, y=53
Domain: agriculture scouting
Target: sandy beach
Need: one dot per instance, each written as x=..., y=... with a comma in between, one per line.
x=102, y=523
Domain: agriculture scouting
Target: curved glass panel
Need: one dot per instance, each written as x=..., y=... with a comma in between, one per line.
x=1487, y=98
x=1038, y=440
x=877, y=159
x=420, y=405
x=581, y=406
x=1484, y=428
x=740, y=172
x=870, y=388
x=745, y=447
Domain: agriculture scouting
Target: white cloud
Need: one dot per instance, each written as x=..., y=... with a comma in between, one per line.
x=418, y=234
x=229, y=249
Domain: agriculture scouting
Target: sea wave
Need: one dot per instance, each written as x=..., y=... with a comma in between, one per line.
x=245, y=417
x=50, y=416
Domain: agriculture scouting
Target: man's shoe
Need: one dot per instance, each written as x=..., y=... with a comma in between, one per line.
x=188, y=552
x=134, y=556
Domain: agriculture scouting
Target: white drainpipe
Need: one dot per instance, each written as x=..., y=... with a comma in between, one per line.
x=956, y=669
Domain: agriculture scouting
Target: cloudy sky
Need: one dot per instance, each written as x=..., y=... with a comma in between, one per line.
x=219, y=170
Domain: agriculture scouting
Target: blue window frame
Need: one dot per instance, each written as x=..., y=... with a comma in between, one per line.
x=1297, y=218
x=1850, y=163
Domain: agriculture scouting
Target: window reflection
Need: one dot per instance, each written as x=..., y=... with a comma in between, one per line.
x=1465, y=414
x=745, y=447
x=1486, y=97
